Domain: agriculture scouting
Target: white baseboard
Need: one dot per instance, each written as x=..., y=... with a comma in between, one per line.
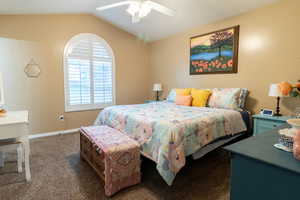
x=40, y=135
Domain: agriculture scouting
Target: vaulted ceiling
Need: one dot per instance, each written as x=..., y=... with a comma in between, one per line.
x=189, y=13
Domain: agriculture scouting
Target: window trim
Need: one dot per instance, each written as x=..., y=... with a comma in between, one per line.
x=85, y=107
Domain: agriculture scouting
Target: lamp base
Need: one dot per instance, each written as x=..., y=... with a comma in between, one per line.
x=157, y=95
x=277, y=114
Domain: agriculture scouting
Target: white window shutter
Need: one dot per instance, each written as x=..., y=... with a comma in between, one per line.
x=89, y=73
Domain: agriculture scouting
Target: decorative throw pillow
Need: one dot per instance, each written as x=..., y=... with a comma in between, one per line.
x=200, y=97
x=183, y=100
x=172, y=96
x=243, y=97
x=227, y=98
x=183, y=92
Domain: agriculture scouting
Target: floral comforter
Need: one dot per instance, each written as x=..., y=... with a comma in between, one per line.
x=168, y=133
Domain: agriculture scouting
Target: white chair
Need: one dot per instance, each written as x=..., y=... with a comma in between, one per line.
x=14, y=126
x=10, y=146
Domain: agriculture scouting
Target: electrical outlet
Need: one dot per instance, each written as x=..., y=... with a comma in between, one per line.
x=61, y=118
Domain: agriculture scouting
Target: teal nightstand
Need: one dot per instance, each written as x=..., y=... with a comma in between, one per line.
x=264, y=123
x=151, y=101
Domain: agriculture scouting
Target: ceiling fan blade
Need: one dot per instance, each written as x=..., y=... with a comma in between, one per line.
x=115, y=5
x=144, y=10
x=160, y=8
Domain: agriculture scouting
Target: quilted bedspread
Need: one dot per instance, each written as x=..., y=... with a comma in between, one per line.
x=168, y=133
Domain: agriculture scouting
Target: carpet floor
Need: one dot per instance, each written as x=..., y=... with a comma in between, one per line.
x=58, y=173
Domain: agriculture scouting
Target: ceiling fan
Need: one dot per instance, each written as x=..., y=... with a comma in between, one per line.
x=139, y=9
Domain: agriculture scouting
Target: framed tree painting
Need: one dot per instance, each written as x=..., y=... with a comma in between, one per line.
x=215, y=52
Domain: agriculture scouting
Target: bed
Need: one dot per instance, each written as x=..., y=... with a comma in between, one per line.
x=168, y=132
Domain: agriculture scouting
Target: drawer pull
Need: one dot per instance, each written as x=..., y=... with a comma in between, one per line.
x=274, y=125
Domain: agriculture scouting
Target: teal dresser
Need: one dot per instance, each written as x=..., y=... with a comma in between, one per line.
x=263, y=123
x=259, y=171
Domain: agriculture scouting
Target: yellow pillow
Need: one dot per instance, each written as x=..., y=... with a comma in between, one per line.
x=200, y=97
x=183, y=92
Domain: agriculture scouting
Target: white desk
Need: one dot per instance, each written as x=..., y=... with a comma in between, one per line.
x=15, y=125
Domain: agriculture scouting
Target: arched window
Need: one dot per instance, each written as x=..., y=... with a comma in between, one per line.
x=89, y=70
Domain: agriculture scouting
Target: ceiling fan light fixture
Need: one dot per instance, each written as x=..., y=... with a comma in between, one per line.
x=139, y=9
x=133, y=9
x=135, y=19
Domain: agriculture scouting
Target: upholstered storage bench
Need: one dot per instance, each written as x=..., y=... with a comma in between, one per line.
x=113, y=155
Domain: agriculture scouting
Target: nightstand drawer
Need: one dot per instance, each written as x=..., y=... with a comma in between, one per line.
x=266, y=125
x=270, y=124
x=263, y=123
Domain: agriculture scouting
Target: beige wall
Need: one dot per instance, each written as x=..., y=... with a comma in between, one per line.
x=269, y=53
x=43, y=38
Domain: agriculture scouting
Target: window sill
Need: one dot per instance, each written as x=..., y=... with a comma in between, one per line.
x=86, y=108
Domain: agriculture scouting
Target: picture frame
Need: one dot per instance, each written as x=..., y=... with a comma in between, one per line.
x=215, y=52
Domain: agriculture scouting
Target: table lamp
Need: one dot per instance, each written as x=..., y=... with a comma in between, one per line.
x=275, y=92
x=157, y=88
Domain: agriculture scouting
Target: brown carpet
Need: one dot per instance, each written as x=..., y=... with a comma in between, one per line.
x=59, y=174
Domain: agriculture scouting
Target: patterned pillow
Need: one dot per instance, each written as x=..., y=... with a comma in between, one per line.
x=243, y=97
x=227, y=98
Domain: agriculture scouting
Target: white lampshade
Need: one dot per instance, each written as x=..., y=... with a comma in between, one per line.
x=157, y=87
x=274, y=91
